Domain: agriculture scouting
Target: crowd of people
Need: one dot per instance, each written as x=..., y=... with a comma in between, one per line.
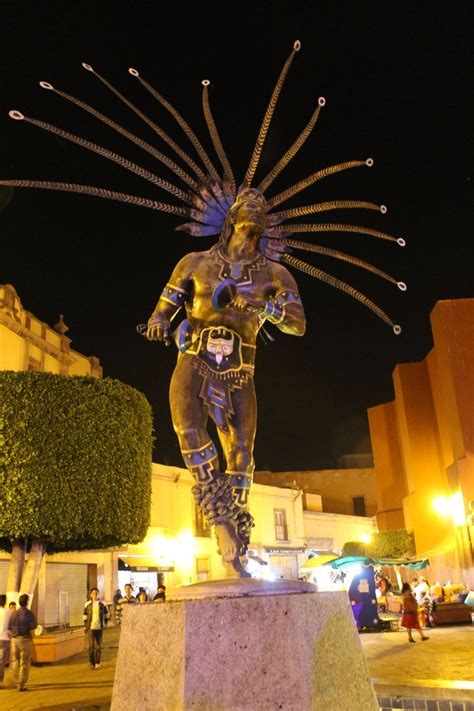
x=120, y=601
x=18, y=623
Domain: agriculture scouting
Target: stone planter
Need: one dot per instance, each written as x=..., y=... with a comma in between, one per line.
x=54, y=646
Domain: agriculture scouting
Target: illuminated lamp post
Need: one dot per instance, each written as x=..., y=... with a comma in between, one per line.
x=453, y=507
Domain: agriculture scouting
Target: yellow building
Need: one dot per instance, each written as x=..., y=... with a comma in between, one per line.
x=26, y=343
x=423, y=444
x=182, y=549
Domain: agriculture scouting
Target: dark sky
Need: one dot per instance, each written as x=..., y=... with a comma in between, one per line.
x=398, y=87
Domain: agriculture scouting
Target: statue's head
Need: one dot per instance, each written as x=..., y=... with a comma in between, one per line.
x=249, y=209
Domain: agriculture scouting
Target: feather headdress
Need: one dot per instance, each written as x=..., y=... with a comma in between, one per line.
x=207, y=193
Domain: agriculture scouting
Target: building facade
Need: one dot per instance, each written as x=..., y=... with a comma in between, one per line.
x=26, y=343
x=423, y=444
x=349, y=490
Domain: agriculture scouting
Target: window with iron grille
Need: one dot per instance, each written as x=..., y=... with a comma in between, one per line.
x=281, y=529
x=203, y=569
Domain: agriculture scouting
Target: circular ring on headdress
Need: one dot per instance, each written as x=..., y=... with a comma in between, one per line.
x=369, y=162
x=322, y=101
x=397, y=329
x=401, y=285
x=46, y=85
x=17, y=115
x=401, y=242
x=383, y=209
x=297, y=46
x=87, y=66
x=205, y=82
x=133, y=72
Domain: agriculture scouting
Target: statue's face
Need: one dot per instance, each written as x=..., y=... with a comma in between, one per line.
x=249, y=210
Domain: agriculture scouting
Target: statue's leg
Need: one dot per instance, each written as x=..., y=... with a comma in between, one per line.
x=237, y=445
x=212, y=491
x=189, y=417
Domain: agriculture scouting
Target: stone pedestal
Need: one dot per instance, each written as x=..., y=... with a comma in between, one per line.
x=261, y=646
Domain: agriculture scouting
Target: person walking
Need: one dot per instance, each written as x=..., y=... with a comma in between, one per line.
x=4, y=637
x=410, y=613
x=95, y=617
x=21, y=625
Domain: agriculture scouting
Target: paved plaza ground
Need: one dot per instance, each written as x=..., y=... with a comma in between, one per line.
x=442, y=668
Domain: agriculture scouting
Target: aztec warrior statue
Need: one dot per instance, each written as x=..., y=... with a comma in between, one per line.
x=228, y=291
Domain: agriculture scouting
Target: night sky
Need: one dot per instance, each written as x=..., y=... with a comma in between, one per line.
x=398, y=87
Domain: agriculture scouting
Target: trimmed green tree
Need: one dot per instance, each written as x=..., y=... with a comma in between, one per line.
x=354, y=548
x=397, y=543
x=75, y=467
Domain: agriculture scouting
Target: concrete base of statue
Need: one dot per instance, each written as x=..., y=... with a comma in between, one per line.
x=240, y=645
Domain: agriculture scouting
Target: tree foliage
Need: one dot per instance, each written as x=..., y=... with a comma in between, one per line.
x=75, y=461
x=397, y=543
x=351, y=548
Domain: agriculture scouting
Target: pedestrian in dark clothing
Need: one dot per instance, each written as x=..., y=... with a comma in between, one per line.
x=161, y=594
x=117, y=596
x=21, y=625
x=96, y=616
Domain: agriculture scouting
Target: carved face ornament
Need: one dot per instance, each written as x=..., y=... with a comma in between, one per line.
x=220, y=345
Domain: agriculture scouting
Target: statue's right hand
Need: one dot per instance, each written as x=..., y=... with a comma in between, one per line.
x=159, y=329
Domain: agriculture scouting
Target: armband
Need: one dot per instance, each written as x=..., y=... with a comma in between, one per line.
x=174, y=295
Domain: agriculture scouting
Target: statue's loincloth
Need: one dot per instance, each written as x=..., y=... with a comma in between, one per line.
x=225, y=364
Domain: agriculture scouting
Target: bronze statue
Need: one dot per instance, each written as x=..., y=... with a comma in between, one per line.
x=228, y=291
x=214, y=372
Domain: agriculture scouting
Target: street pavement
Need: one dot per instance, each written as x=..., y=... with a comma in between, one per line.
x=66, y=685
x=440, y=668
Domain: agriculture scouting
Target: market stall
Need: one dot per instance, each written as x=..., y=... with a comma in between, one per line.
x=365, y=599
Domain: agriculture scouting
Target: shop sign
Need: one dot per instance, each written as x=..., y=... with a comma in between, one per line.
x=284, y=550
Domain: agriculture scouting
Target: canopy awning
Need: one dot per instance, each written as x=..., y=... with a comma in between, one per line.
x=256, y=558
x=317, y=561
x=413, y=564
x=142, y=564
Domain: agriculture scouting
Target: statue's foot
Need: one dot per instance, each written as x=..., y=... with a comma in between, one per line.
x=230, y=547
x=235, y=569
x=230, y=544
